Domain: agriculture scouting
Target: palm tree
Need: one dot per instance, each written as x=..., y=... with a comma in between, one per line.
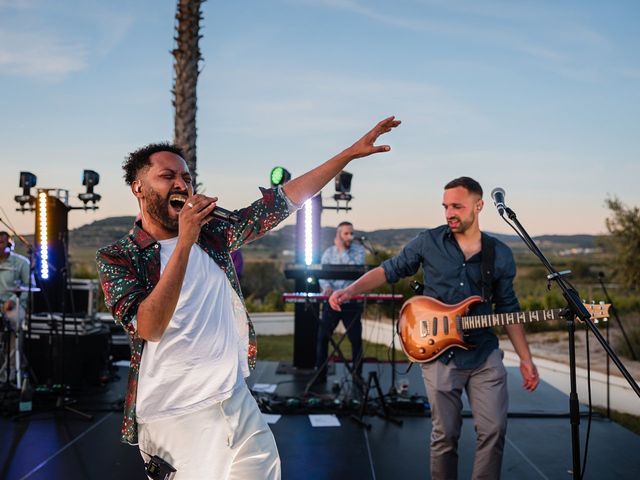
x=187, y=56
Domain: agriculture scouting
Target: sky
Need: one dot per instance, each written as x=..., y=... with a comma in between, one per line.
x=540, y=98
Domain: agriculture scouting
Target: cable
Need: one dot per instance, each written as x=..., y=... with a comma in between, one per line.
x=586, y=442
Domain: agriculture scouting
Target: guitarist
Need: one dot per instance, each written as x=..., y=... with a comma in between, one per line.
x=451, y=256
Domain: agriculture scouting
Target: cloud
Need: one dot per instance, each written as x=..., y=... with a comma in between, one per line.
x=39, y=55
x=559, y=39
x=36, y=41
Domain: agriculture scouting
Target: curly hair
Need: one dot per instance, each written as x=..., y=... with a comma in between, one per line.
x=139, y=159
x=466, y=182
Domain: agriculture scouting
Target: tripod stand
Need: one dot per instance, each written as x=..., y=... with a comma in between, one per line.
x=574, y=309
x=336, y=350
x=6, y=343
x=394, y=325
x=63, y=401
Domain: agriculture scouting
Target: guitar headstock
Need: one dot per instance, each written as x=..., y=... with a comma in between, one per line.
x=598, y=310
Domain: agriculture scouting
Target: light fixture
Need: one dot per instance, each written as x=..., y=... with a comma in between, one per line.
x=43, y=237
x=343, y=186
x=308, y=232
x=27, y=181
x=90, y=179
x=279, y=176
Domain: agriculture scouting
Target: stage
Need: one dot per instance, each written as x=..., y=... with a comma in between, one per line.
x=59, y=444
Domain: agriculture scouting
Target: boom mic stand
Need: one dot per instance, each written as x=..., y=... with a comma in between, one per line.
x=63, y=401
x=574, y=308
x=392, y=389
x=614, y=310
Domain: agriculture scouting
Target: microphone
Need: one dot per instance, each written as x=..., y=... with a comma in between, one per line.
x=225, y=215
x=498, y=199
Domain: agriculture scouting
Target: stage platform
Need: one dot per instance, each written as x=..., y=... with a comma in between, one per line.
x=59, y=444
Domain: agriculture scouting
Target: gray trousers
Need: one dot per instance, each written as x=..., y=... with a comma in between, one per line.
x=486, y=387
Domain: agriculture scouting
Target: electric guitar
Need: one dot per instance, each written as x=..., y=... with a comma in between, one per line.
x=428, y=327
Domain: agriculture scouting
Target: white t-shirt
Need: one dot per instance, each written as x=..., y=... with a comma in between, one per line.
x=202, y=356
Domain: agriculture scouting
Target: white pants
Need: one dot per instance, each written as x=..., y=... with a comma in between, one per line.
x=228, y=440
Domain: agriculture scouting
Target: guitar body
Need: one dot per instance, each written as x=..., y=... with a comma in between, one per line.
x=428, y=327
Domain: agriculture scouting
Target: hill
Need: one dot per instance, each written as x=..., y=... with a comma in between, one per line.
x=102, y=232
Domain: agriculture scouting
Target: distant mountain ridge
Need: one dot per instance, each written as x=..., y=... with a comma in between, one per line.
x=108, y=230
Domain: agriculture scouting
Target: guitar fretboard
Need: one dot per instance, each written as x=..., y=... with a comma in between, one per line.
x=501, y=319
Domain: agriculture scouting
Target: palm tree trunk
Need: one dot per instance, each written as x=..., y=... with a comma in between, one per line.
x=187, y=55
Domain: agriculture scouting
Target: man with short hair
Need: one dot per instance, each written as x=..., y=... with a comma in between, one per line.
x=451, y=256
x=14, y=273
x=343, y=252
x=172, y=285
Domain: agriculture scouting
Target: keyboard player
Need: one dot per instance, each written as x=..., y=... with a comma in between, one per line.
x=343, y=252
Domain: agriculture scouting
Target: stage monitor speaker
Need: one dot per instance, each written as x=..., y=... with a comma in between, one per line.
x=85, y=362
x=81, y=299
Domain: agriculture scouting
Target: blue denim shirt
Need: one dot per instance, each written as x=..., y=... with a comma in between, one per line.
x=354, y=255
x=450, y=278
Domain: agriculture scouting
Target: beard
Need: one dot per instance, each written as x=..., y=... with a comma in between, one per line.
x=463, y=225
x=158, y=209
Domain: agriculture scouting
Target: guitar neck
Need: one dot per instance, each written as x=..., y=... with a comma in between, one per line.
x=502, y=319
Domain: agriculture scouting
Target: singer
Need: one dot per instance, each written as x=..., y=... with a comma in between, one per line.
x=343, y=252
x=460, y=261
x=171, y=284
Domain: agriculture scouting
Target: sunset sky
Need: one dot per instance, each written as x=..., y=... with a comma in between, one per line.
x=540, y=98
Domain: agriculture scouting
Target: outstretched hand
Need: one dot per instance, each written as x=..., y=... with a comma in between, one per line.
x=365, y=146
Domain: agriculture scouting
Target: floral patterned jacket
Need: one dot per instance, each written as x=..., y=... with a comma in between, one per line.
x=130, y=268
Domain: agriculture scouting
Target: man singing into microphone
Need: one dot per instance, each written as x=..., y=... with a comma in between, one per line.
x=343, y=252
x=454, y=257
x=172, y=285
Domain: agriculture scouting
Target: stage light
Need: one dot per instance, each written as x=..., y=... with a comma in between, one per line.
x=43, y=235
x=308, y=232
x=27, y=181
x=89, y=179
x=279, y=176
x=343, y=186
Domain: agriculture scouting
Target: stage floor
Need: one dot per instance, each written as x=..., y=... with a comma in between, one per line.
x=61, y=445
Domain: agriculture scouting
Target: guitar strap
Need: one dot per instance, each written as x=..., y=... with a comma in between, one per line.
x=488, y=266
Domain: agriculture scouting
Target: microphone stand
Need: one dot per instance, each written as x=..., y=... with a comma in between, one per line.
x=614, y=310
x=392, y=389
x=574, y=308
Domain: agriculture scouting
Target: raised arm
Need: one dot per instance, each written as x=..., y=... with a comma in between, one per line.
x=305, y=186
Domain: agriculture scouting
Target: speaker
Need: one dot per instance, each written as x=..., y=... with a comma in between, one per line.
x=74, y=360
x=81, y=299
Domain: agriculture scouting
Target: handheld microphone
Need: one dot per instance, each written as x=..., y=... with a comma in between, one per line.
x=225, y=215
x=497, y=194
